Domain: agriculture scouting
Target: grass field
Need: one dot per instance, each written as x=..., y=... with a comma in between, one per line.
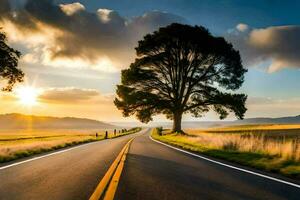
x=22, y=143
x=273, y=148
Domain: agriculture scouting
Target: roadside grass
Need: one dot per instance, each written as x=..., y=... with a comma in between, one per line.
x=270, y=153
x=277, y=131
x=30, y=143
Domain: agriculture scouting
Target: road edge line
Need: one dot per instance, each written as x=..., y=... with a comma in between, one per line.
x=105, y=182
x=226, y=165
x=47, y=155
x=37, y=157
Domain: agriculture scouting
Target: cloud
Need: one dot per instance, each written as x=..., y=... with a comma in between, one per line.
x=276, y=47
x=71, y=9
x=272, y=107
x=105, y=15
x=260, y=101
x=67, y=33
x=242, y=27
x=4, y=6
x=275, y=103
x=67, y=95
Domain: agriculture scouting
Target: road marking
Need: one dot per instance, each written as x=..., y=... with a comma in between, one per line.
x=112, y=188
x=109, y=183
x=47, y=155
x=226, y=165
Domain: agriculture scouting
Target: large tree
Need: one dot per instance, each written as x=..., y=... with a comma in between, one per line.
x=182, y=69
x=9, y=70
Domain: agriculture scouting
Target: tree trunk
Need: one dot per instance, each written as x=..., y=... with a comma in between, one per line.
x=177, y=122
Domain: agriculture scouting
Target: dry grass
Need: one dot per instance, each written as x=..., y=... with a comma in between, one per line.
x=23, y=143
x=257, y=127
x=269, y=147
x=9, y=148
x=275, y=140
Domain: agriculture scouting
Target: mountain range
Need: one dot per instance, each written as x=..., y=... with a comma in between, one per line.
x=207, y=124
x=20, y=121
x=258, y=120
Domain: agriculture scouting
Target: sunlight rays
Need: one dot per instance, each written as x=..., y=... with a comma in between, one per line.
x=27, y=95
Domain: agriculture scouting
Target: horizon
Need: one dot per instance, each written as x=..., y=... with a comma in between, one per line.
x=194, y=120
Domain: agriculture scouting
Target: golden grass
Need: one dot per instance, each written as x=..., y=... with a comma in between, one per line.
x=283, y=131
x=287, y=149
x=257, y=127
x=8, y=148
x=270, y=147
x=23, y=143
x=279, y=140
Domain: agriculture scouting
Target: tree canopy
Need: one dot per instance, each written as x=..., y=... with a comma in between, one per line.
x=9, y=70
x=182, y=69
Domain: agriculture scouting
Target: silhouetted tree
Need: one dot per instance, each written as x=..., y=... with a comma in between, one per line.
x=9, y=64
x=182, y=69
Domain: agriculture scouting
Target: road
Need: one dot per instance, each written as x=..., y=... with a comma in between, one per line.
x=69, y=175
x=152, y=171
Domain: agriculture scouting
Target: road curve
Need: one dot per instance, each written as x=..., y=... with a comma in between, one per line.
x=154, y=171
x=70, y=175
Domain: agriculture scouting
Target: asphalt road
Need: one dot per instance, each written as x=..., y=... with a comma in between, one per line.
x=152, y=171
x=69, y=175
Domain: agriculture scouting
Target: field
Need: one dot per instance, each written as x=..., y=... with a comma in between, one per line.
x=21, y=143
x=273, y=148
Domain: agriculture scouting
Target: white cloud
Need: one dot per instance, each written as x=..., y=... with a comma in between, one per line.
x=67, y=95
x=278, y=45
x=72, y=8
x=67, y=34
x=242, y=27
x=104, y=14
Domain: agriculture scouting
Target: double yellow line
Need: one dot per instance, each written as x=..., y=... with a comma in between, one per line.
x=107, y=187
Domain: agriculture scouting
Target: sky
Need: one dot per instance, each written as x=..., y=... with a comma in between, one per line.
x=73, y=51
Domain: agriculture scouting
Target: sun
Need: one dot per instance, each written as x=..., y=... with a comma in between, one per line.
x=28, y=95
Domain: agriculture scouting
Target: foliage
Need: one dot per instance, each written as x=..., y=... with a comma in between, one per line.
x=182, y=69
x=9, y=70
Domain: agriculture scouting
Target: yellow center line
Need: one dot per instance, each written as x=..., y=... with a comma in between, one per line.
x=112, y=188
x=111, y=178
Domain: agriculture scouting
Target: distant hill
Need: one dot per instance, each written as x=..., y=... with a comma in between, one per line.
x=207, y=124
x=259, y=120
x=19, y=121
x=280, y=120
